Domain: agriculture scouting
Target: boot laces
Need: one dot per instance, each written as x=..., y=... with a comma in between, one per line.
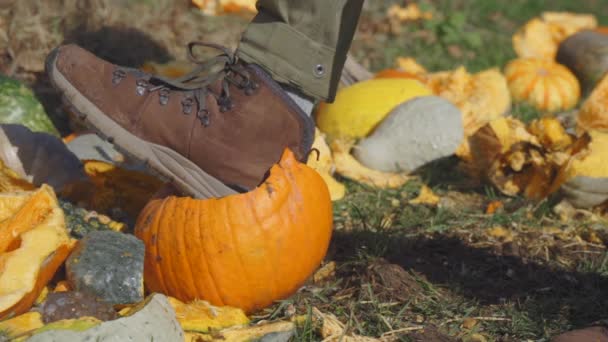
x=224, y=67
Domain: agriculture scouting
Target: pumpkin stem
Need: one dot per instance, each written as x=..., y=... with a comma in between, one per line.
x=314, y=150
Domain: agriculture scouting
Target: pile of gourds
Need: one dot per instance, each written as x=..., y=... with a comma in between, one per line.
x=380, y=130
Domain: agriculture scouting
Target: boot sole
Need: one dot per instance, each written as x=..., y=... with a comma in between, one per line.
x=165, y=162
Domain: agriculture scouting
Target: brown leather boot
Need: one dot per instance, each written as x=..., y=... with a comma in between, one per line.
x=211, y=132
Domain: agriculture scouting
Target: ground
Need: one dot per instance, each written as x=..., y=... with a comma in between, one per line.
x=519, y=273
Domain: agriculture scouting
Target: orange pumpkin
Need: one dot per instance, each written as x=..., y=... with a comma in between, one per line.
x=544, y=84
x=245, y=250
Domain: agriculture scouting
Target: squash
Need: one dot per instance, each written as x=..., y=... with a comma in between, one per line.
x=540, y=37
x=16, y=326
x=414, y=133
x=33, y=244
x=593, y=114
x=506, y=154
x=245, y=250
x=481, y=97
x=550, y=133
x=544, y=84
x=586, y=55
x=584, y=178
x=358, y=108
x=18, y=105
x=38, y=157
x=324, y=165
x=109, y=265
x=398, y=73
x=200, y=316
x=349, y=167
x=11, y=181
x=152, y=320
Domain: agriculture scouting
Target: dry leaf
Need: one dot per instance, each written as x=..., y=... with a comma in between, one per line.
x=410, y=12
x=332, y=330
x=500, y=233
x=327, y=271
x=493, y=207
x=426, y=196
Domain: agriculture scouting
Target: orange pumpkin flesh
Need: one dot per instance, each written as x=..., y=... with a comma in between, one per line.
x=34, y=242
x=245, y=250
x=47, y=270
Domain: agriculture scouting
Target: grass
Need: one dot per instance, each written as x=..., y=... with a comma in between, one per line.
x=532, y=286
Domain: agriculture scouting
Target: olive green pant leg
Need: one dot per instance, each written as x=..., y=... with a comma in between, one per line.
x=302, y=43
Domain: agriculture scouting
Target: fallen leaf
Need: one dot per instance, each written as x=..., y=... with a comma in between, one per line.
x=410, y=12
x=426, y=196
x=469, y=323
x=332, y=330
x=500, y=233
x=327, y=271
x=493, y=207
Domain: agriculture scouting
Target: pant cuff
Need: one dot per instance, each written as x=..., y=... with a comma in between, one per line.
x=289, y=57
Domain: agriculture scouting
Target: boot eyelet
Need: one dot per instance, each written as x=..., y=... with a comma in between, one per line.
x=187, y=105
x=251, y=88
x=249, y=91
x=118, y=75
x=203, y=116
x=163, y=96
x=141, y=88
x=226, y=106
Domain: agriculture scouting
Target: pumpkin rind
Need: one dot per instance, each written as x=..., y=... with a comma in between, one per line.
x=245, y=250
x=546, y=85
